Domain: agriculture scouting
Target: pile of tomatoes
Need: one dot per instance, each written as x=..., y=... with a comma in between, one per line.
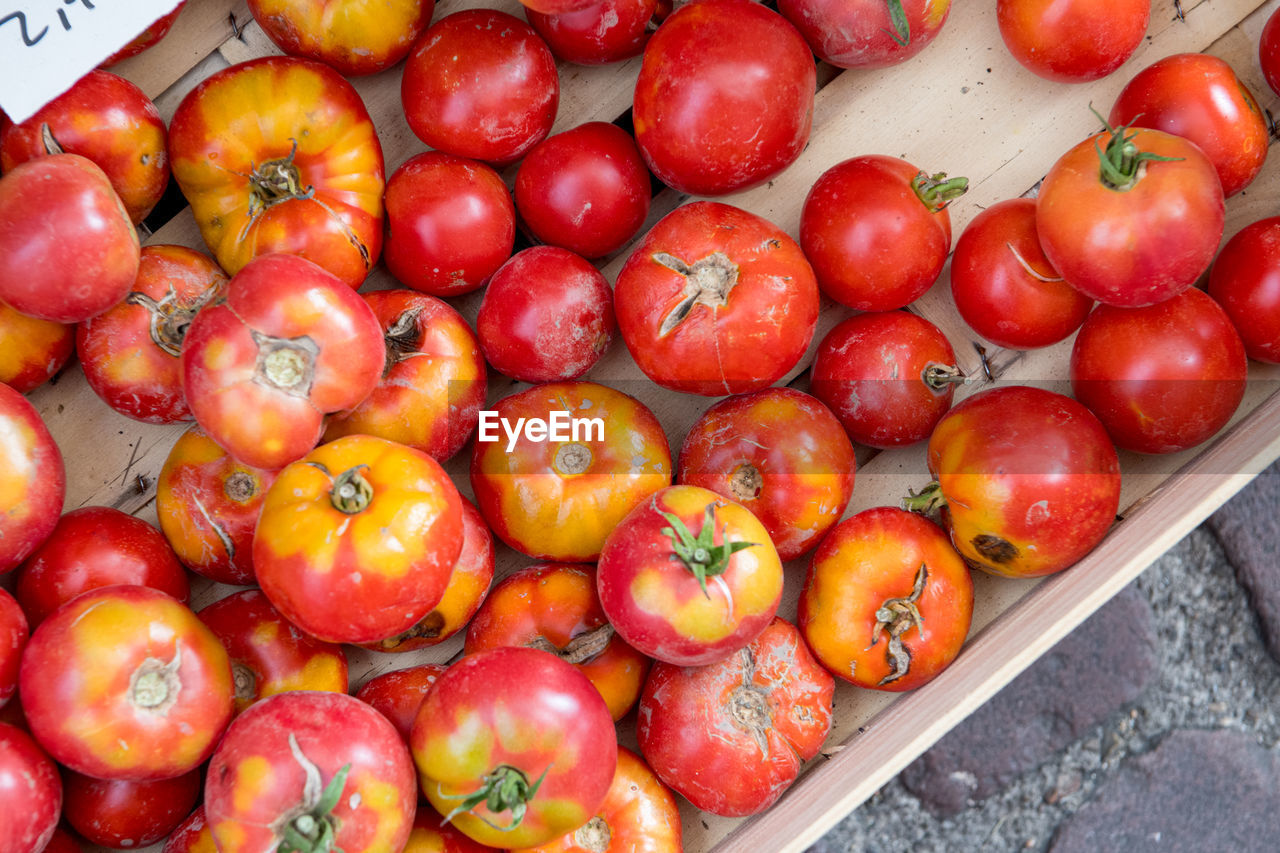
x=312, y=476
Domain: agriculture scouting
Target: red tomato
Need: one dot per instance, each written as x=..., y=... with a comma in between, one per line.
x=122, y=814
x=191, y=836
x=432, y=835
x=866, y=33
x=352, y=36
x=731, y=736
x=323, y=765
x=1161, y=378
x=124, y=682
x=514, y=746
x=31, y=350
x=398, y=694
x=715, y=300
x=93, y=547
x=14, y=632
x=877, y=231
x=279, y=155
x=1269, y=51
x=1072, y=41
x=130, y=352
x=781, y=454
x=63, y=842
x=556, y=7
x=289, y=344
x=1004, y=286
x=1125, y=227
x=481, y=84
x=604, y=32
x=887, y=601
x=1245, y=282
x=68, y=250
x=547, y=315
x=1029, y=478
x=33, y=480
x=450, y=223
x=33, y=793
x=724, y=100
x=147, y=38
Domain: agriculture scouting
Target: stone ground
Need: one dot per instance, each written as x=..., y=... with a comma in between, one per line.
x=1155, y=726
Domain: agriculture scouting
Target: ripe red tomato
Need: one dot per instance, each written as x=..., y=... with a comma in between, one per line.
x=14, y=632
x=866, y=33
x=124, y=682
x=398, y=694
x=547, y=315
x=781, y=454
x=322, y=766
x=63, y=842
x=1072, y=41
x=1269, y=51
x=604, y=32
x=121, y=814
x=1003, y=285
x=33, y=480
x=147, y=38
x=31, y=350
x=1161, y=378
x=1125, y=227
x=33, y=793
x=191, y=836
x=1245, y=282
x=731, y=736
x=556, y=7
x=514, y=746
x=481, y=84
x=352, y=36
x=877, y=231
x=279, y=155
x=716, y=300
x=724, y=100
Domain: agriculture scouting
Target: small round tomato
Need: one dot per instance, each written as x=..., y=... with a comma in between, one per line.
x=289, y=344
x=356, y=540
x=1269, y=51
x=33, y=480
x=398, y=694
x=124, y=682
x=1003, y=285
x=434, y=381
x=1030, y=480
x=121, y=814
x=547, y=315
x=1245, y=282
x=147, y=38
x=688, y=577
x=310, y=770
x=731, y=736
x=877, y=231
x=514, y=747
x=481, y=84
x=716, y=300
x=866, y=33
x=887, y=601
x=32, y=801
x=432, y=835
x=191, y=836
x=63, y=842
x=352, y=36
x=31, y=350
x=1161, y=378
x=781, y=454
x=14, y=632
x=604, y=32
x=93, y=547
x=130, y=352
x=1072, y=41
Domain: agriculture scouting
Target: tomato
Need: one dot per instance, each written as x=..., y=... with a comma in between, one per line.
x=450, y=223
x=1003, y=285
x=877, y=231
x=1245, y=282
x=558, y=496
x=1072, y=41
x=279, y=155
x=14, y=632
x=191, y=836
x=1030, y=481
x=1125, y=227
x=716, y=300
x=33, y=793
x=432, y=835
x=118, y=813
x=514, y=746
x=688, y=577
x=1161, y=378
x=124, y=682
x=31, y=350
x=268, y=654
x=554, y=607
x=547, y=315
x=93, y=547
x=130, y=352
x=887, y=376
x=586, y=189
x=33, y=479
x=556, y=7
x=866, y=33
x=781, y=454
x=68, y=250
x=398, y=694
x=887, y=601
x=322, y=766
x=356, y=540
x=434, y=381
x=481, y=84
x=289, y=344
x=147, y=38
x=1269, y=51
x=731, y=736
x=604, y=32
x=724, y=100
x=63, y=842
x=352, y=36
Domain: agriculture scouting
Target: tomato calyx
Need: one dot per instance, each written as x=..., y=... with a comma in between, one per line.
x=699, y=554
x=708, y=281
x=400, y=339
x=505, y=788
x=312, y=827
x=939, y=376
x=594, y=835
x=583, y=648
x=169, y=318
x=240, y=486
x=928, y=502
x=896, y=616
x=244, y=680
x=1122, y=164
x=154, y=685
x=286, y=364
x=937, y=191
x=572, y=458
x=901, y=26
x=351, y=493
x=749, y=704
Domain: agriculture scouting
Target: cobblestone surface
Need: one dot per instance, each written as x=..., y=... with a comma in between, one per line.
x=1249, y=528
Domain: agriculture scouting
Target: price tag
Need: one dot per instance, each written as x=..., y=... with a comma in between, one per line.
x=47, y=45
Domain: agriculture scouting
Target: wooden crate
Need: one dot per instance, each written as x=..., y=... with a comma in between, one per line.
x=963, y=106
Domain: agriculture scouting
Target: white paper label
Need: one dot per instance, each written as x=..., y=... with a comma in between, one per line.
x=47, y=45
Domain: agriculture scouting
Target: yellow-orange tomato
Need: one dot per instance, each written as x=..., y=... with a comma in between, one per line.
x=353, y=36
x=32, y=350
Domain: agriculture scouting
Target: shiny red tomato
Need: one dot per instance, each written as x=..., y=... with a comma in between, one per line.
x=147, y=38
x=352, y=36
x=33, y=793
x=121, y=814
x=33, y=480
x=866, y=33
x=556, y=7
x=724, y=100
x=398, y=694
x=63, y=842
x=14, y=632
x=604, y=32
x=191, y=836
x=1245, y=282
x=31, y=350
x=1072, y=41
x=1269, y=51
